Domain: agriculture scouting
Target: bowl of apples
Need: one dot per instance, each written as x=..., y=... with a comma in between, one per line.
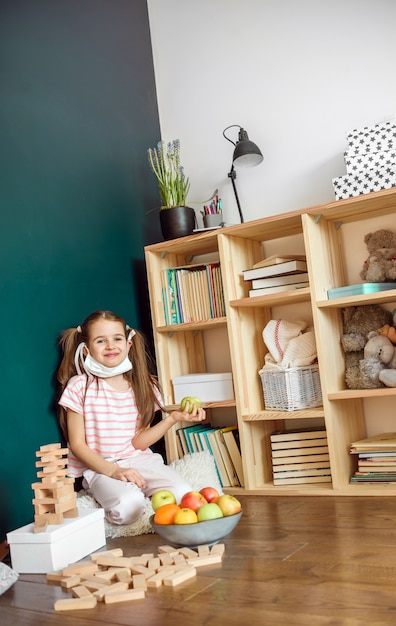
x=201, y=517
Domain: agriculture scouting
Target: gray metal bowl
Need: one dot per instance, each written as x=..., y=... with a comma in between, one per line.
x=193, y=535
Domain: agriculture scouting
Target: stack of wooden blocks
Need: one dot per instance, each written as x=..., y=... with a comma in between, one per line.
x=54, y=496
x=300, y=457
x=111, y=577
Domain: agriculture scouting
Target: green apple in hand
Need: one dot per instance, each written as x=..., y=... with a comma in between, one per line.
x=191, y=401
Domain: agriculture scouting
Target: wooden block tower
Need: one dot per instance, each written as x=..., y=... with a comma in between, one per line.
x=54, y=497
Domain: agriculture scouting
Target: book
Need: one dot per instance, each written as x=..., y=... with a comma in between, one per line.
x=303, y=458
x=235, y=453
x=274, y=281
x=302, y=480
x=288, y=267
x=212, y=439
x=274, y=259
x=384, y=441
x=302, y=433
x=269, y=290
x=228, y=464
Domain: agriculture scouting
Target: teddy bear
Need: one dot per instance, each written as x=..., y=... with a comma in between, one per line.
x=379, y=362
x=380, y=265
x=358, y=321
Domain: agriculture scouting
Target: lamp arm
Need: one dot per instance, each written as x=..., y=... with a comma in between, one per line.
x=232, y=175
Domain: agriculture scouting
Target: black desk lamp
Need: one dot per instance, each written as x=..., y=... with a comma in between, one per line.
x=246, y=153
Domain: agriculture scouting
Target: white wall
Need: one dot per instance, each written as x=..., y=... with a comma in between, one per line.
x=297, y=75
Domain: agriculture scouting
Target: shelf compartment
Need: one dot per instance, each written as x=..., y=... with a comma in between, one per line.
x=193, y=326
x=312, y=413
x=381, y=297
x=275, y=299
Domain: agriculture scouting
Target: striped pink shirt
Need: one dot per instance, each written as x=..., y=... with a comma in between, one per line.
x=111, y=420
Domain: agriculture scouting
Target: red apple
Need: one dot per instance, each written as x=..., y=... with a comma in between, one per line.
x=209, y=493
x=228, y=504
x=192, y=500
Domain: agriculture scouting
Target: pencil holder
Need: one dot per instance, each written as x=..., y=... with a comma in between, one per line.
x=212, y=219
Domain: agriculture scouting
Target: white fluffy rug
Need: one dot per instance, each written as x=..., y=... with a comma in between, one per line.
x=198, y=469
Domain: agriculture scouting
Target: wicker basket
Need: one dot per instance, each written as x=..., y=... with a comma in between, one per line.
x=291, y=389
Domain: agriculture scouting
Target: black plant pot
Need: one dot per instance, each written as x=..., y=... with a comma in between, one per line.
x=177, y=221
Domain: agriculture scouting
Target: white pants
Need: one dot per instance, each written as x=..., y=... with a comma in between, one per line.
x=124, y=502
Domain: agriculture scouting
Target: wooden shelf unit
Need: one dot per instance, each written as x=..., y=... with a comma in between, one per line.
x=180, y=349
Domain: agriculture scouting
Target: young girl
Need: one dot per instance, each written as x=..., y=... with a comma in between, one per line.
x=108, y=401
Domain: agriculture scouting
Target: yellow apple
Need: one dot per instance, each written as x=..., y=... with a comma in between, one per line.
x=228, y=504
x=185, y=516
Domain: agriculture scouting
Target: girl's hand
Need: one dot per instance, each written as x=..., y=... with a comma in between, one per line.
x=129, y=475
x=196, y=415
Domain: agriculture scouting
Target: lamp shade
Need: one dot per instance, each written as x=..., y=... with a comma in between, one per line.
x=246, y=152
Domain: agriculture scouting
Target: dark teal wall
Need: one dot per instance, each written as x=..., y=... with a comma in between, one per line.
x=78, y=111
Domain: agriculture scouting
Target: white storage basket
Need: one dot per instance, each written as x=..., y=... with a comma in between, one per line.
x=291, y=389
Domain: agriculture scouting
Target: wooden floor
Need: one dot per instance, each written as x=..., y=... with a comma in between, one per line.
x=290, y=561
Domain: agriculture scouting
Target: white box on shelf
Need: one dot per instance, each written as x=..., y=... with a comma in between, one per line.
x=356, y=163
x=206, y=387
x=376, y=137
x=59, y=545
x=360, y=183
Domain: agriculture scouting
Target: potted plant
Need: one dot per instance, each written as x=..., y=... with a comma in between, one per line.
x=176, y=218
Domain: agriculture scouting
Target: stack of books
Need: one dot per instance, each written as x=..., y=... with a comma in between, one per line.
x=192, y=293
x=277, y=273
x=222, y=443
x=300, y=457
x=376, y=459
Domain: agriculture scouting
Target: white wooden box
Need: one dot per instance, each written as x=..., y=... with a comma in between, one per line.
x=59, y=545
x=206, y=387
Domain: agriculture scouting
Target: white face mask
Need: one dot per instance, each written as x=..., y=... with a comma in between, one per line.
x=93, y=367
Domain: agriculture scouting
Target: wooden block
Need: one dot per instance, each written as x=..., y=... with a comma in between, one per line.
x=57, y=474
x=141, y=569
x=94, y=586
x=75, y=604
x=143, y=559
x=166, y=559
x=48, y=446
x=124, y=596
x=40, y=526
x=112, y=572
x=203, y=550
x=179, y=559
x=180, y=577
x=67, y=506
x=218, y=548
x=113, y=561
x=48, y=518
x=51, y=462
x=115, y=588
x=157, y=579
x=70, y=581
x=71, y=513
x=80, y=591
x=123, y=576
x=167, y=549
x=96, y=578
x=188, y=553
x=115, y=552
x=153, y=563
x=139, y=582
x=54, y=577
x=212, y=559
x=83, y=568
